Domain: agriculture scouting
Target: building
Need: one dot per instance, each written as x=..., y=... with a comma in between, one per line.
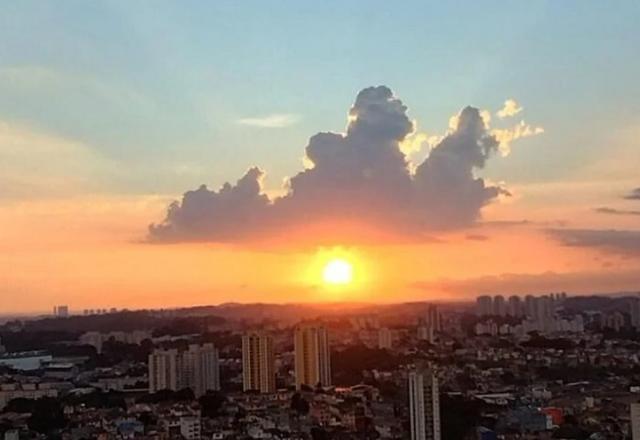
x=433, y=318
x=196, y=368
x=514, y=306
x=61, y=311
x=97, y=339
x=33, y=391
x=424, y=405
x=385, y=339
x=26, y=360
x=499, y=305
x=426, y=333
x=635, y=421
x=190, y=427
x=258, y=363
x=634, y=312
x=484, y=305
x=312, y=356
x=201, y=369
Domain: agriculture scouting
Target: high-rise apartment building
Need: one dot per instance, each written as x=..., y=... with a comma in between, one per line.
x=484, y=305
x=258, y=363
x=312, y=356
x=61, y=311
x=514, y=306
x=635, y=421
x=424, y=405
x=499, y=306
x=196, y=368
x=434, y=318
x=385, y=338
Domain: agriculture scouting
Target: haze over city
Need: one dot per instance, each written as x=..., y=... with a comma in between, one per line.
x=319, y=220
x=376, y=154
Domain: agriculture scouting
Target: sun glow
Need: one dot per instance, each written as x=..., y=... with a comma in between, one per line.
x=337, y=271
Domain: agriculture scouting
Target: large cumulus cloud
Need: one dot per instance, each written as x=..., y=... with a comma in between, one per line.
x=360, y=175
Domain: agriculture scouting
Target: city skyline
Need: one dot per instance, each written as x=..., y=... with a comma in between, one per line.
x=470, y=149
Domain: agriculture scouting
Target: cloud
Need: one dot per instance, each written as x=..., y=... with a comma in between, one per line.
x=278, y=120
x=506, y=136
x=614, y=211
x=623, y=242
x=476, y=237
x=34, y=164
x=633, y=195
x=510, y=108
x=361, y=175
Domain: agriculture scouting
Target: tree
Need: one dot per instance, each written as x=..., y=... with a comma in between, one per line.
x=211, y=403
x=299, y=404
x=47, y=416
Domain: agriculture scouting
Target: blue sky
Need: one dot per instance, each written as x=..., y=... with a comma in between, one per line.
x=163, y=84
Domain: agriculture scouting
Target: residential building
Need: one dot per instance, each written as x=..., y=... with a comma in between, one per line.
x=312, y=356
x=258, y=363
x=424, y=405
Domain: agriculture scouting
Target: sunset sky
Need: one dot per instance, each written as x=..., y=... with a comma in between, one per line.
x=442, y=150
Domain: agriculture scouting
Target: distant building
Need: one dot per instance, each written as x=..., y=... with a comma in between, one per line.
x=635, y=421
x=425, y=333
x=10, y=391
x=196, y=368
x=26, y=361
x=258, y=363
x=97, y=339
x=190, y=427
x=433, y=318
x=312, y=356
x=614, y=321
x=484, y=305
x=514, y=306
x=385, y=338
x=499, y=306
x=61, y=311
x=424, y=405
x=634, y=312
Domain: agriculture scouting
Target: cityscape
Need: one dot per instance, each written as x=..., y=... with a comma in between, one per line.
x=534, y=367
x=319, y=220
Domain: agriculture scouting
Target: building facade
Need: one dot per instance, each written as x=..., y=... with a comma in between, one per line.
x=424, y=405
x=196, y=368
x=312, y=356
x=258, y=363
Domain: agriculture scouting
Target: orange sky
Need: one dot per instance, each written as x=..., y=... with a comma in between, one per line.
x=88, y=252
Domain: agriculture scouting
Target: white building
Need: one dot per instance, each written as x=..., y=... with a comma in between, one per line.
x=190, y=427
x=424, y=405
x=196, y=368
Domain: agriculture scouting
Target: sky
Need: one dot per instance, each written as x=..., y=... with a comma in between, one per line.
x=445, y=150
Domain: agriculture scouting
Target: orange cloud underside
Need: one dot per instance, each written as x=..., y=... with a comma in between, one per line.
x=86, y=253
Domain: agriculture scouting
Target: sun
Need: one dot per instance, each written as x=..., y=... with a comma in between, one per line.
x=337, y=271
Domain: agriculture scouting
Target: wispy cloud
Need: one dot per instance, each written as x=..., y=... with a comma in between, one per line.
x=633, y=195
x=624, y=242
x=276, y=120
x=511, y=108
x=506, y=136
x=607, y=210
